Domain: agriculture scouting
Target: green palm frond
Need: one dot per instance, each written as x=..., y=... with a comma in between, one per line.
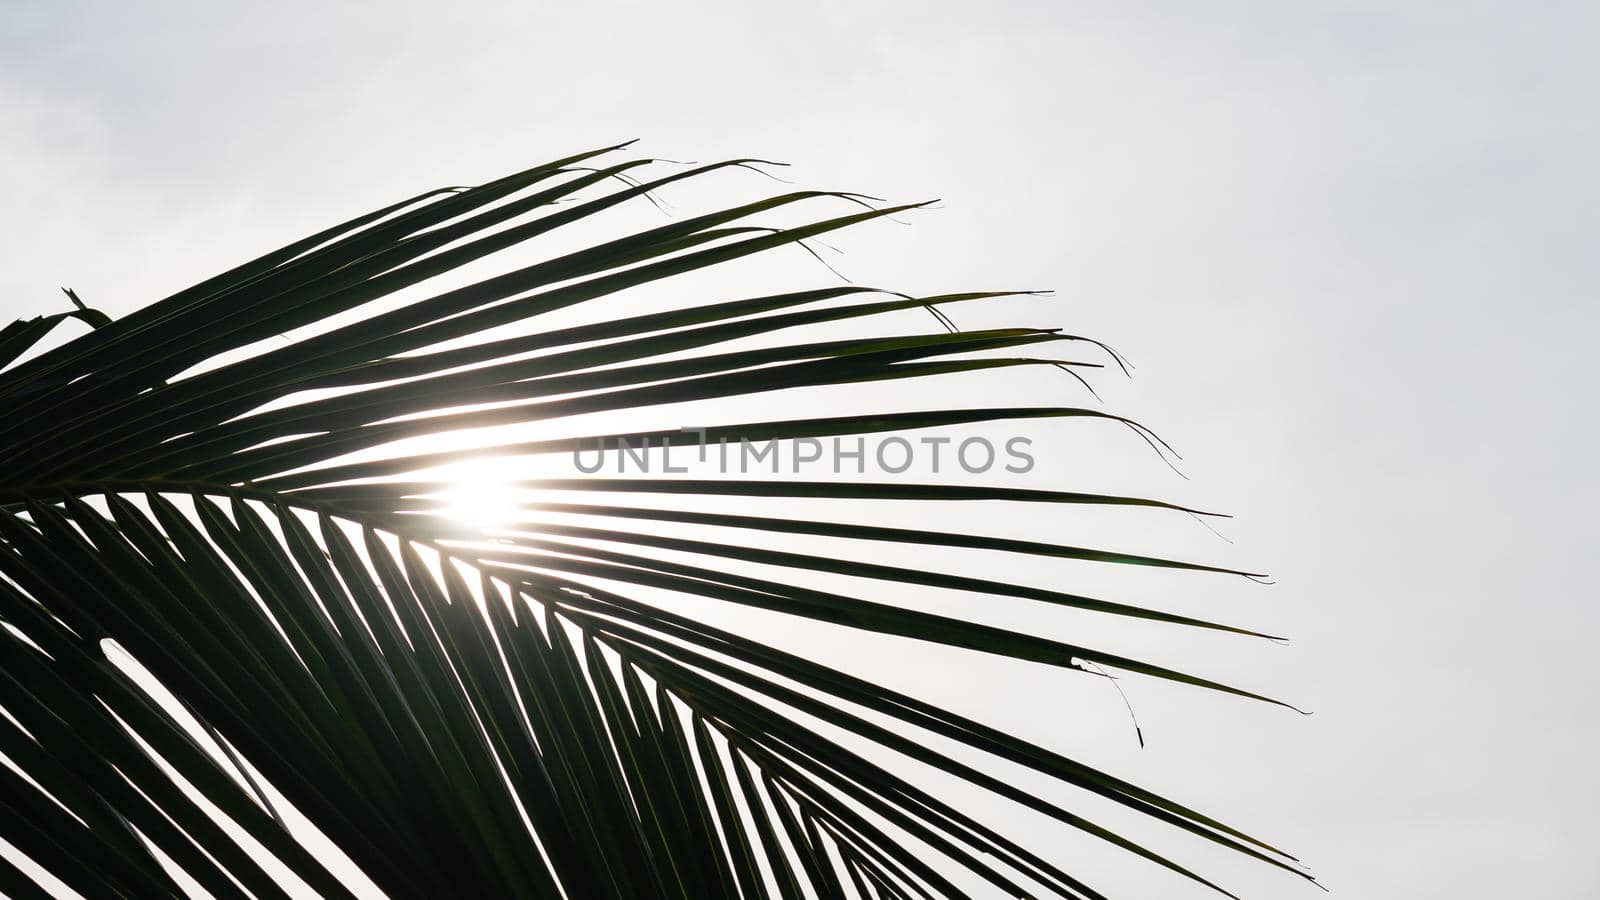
x=236, y=612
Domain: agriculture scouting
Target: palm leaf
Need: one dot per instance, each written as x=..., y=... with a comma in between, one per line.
x=238, y=616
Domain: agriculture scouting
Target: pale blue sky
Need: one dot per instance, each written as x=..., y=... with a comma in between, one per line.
x=1346, y=243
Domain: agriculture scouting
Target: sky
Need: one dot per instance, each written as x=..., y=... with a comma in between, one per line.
x=1346, y=245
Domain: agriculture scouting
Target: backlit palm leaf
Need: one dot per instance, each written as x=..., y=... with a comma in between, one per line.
x=232, y=599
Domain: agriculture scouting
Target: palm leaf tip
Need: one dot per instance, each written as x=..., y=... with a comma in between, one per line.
x=319, y=682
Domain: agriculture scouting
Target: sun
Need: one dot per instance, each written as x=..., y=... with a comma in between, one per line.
x=480, y=497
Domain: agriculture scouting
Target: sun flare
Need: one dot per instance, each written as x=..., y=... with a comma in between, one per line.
x=480, y=499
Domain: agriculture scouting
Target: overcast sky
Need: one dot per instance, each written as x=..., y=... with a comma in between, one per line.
x=1347, y=244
